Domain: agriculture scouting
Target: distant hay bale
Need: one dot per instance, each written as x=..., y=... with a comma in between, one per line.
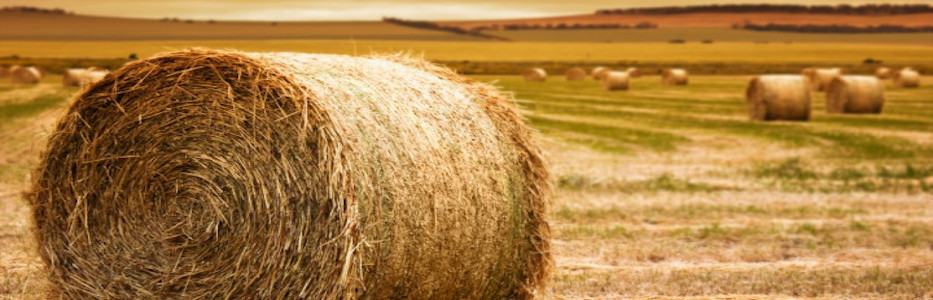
x=907, y=77
x=819, y=78
x=73, y=76
x=599, y=73
x=616, y=81
x=674, y=77
x=633, y=72
x=91, y=77
x=4, y=72
x=855, y=95
x=778, y=97
x=535, y=75
x=576, y=74
x=883, y=73
x=25, y=75
x=214, y=174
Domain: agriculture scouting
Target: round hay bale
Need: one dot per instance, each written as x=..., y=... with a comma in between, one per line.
x=90, y=77
x=214, y=174
x=907, y=77
x=674, y=77
x=73, y=76
x=778, y=97
x=616, y=81
x=535, y=75
x=576, y=74
x=883, y=73
x=819, y=78
x=855, y=95
x=633, y=72
x=96, y=69
x=599, y=73
x=25, y=75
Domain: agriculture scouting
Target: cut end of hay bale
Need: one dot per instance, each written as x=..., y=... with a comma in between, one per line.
x=855, y=95
x=778, y=97
x=535, y=75
x=576, y=74
x=675, y=77
x=616, y=81
x=216, y=174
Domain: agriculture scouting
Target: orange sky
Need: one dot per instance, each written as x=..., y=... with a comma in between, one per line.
x=366, y=9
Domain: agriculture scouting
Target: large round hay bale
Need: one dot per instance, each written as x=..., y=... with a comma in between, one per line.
x=855, y=95
x=599, y=73
x=616, y=81
x=633, y=72
x=883, y=73
x=73, y=76
x=25, y=75
x=674, y=77
x=535, y=75
x=819, y=78
x=778, y=97
x=907, y=77
x=576, y=74
x=212, y=174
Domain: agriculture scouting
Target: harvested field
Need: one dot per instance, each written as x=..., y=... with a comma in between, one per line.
x=661, y=193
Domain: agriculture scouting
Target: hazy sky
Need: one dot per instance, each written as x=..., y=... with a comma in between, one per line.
x=366, y=9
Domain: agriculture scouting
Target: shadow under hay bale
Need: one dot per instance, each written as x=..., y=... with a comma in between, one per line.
x=616, y=81
x=675, y=77
x=576, y=74
x=535, y=75
x=855, y=95
x=25, y=75
x=214, y=174
x=778, y=97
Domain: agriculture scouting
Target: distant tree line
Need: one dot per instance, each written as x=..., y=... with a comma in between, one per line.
x=842, y=9
x=436, y=26
x=566, y=26
x=30, y=9
x=832, y=28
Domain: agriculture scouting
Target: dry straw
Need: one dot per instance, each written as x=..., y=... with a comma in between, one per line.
x=674, y=77
x=907, y=77
x=883, y=73
x=214, y=175
x=535, y=75
x=855, y=94
x=576, y=74
x=819, y=78
x=599, y=73
x=616, y=81
x=25, y=75
x=778, y=97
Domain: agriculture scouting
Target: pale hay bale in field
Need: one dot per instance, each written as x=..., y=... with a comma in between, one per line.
x=883, y=73
x=674, y=77
x=535, y=75
x=616, y=81
x=576, y=74
x=855, y=95
x=214, y=174
x=778, y=97
x=91, y=77
x=907, y=77
x=819, y=78
x=25, y=75
x=73, y=76
x=633, y=72
x=599, y=73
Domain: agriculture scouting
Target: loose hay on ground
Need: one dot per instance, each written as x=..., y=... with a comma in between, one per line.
x=214, y=174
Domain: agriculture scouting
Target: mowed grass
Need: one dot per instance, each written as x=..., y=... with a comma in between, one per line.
x=713, y=35
x=817, y=53
x=661, y=192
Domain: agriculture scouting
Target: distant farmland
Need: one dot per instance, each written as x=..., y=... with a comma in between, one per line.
x=704, y=34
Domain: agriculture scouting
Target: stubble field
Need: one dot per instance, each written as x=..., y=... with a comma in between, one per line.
x=661, y=192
